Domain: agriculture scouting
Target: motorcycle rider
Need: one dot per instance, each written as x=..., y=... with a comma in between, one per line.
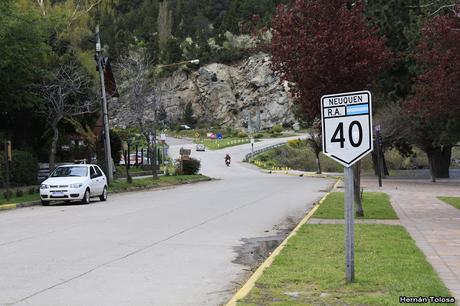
x=228, y=159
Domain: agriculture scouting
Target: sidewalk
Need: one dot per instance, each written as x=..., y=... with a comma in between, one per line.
x=434, y=225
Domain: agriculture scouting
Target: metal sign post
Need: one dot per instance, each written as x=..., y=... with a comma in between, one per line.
x=347, y=137
x=379, y=151
x=349, y=225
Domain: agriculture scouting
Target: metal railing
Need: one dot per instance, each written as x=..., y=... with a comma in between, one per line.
x=262, y=150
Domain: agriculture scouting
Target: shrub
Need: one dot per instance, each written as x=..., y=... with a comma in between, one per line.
x=276, y=129
x=242, y=134
x=7, y=194
x=189, y=166
x=295, y=143
x=19, y=193
x=258, y=135
x=24, y=168
x=31, y=190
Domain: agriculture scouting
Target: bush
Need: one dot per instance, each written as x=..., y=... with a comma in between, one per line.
x=276, y=129
x=242, y=134
x=7, y=194
x=24, y=168
x=258, y=135
x=295, y=143
x=31, y=190
x=19, y=193
x=189, y=166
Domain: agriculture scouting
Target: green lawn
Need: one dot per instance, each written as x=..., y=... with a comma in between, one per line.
x=454, y=201
x=311, y=269
x=216, y=144
x=122, y=185
x=25, y=198
x=376, y=205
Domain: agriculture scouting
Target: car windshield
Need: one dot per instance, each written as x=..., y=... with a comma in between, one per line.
x=70, y=171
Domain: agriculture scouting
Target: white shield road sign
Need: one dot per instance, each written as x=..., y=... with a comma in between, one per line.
x=347, y=126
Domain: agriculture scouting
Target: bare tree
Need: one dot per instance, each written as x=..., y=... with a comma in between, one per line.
x=138, y=100
x=66, y=95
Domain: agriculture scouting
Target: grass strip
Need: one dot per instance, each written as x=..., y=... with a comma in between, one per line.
x=163, y=181
x=26, y=197
x=376, y=205
x=217, y=144
x=311, y=269
x=454, y=201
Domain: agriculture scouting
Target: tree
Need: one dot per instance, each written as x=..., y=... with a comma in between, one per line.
x=66, y=95
x=23, y=55
x=189, y=118
x=325, y=47
x=137, y=104
x=164, y=23
x=435, y=105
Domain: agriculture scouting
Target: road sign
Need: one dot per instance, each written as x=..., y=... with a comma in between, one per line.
x=347, y=126
x=347, y=137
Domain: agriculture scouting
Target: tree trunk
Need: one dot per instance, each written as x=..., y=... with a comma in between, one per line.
x=442, y=158
x=432, y=167
x=357, y=189
x=52, y=155
x=154, y=160
x=439, y=159
x=318, y=164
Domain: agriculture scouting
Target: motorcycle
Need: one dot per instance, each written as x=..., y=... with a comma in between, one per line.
x=227, y=162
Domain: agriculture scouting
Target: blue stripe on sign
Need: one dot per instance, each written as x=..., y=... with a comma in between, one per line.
x=358, y=109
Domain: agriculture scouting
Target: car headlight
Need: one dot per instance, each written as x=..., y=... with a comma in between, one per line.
x=44, y=186
x=79, y=185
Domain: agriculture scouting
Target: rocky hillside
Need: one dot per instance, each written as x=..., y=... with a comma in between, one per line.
x=228, y=95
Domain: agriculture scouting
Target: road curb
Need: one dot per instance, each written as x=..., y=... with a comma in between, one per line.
x=18, y=205
x=135, y=189
x=250, y=283
x=304, y=174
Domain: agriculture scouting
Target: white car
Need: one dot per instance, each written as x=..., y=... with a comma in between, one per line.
x=74, y=183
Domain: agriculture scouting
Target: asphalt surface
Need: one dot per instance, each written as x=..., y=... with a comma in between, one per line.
x=167, y=247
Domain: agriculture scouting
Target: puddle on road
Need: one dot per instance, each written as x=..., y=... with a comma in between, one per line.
x=255, y=250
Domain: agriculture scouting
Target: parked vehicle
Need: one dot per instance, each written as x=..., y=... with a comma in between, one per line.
x=200, y=147
x=74, y=182
x=132, y=159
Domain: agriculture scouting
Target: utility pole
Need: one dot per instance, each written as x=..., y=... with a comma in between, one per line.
x=7, y=167
x=105, y=114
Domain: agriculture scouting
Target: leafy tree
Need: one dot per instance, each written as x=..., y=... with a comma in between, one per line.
x=325, y=47
x=435, y=105
x=400, y=22
x=23, y=56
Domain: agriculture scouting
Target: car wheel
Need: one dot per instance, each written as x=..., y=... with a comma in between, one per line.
x=45, y=203
x=103, y=196
x=86, y=197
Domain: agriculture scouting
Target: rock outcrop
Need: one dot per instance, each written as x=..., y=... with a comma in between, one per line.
x=224, y=95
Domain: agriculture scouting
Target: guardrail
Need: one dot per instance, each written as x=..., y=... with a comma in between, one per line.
x=256, y=152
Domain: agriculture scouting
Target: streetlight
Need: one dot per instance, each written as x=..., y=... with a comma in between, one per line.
x=194, y=61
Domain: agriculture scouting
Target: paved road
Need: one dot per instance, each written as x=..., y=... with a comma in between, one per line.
x=167, y=247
